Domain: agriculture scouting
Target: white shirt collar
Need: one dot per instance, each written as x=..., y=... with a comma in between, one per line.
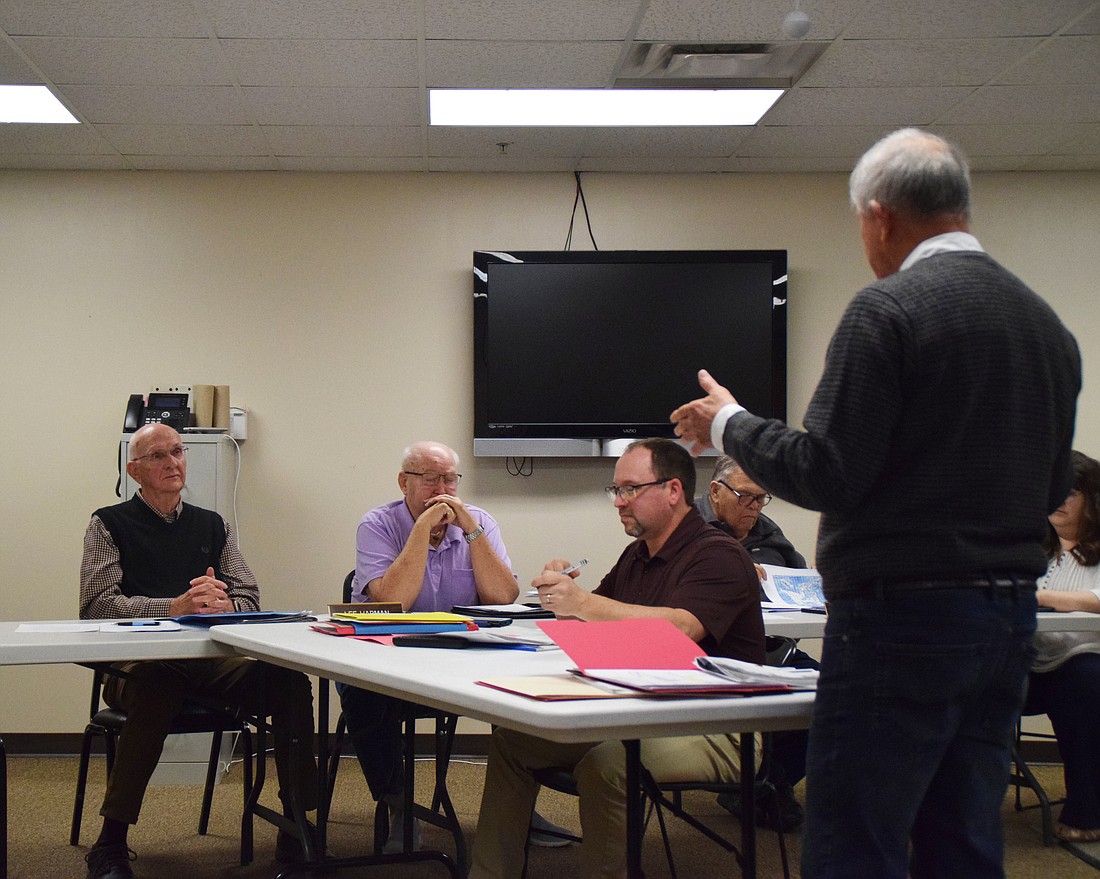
x=948, y=242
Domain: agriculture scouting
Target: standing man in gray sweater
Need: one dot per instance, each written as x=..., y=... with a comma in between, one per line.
x=935, y=445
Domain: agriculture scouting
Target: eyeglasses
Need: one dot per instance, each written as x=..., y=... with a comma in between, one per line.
x=744, y=498
x=162, y=455
x=431, y=478
x=629, y=492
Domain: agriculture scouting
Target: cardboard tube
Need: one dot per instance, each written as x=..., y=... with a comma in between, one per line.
x=221, y=406
x=202, y=404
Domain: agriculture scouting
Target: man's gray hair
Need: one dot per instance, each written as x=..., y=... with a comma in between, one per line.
x=915, y=173
x=724, y=468
x=413, y=452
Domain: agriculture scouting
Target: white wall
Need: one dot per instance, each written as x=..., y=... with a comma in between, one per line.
x=337, y=307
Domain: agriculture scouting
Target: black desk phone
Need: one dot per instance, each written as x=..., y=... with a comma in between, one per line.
x=163, y=408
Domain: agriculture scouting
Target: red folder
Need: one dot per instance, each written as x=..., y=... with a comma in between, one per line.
x=649, y=643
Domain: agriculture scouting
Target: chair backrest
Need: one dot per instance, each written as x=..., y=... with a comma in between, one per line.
x=349, y=581
x=778, y=649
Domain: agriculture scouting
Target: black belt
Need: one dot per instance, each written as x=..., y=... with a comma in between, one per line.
x=882, y=587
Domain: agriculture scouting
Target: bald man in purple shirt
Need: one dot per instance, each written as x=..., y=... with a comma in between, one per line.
x=429, y=551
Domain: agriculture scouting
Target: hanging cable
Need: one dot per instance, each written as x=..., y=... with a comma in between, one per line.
x=520, y=466
x=579, y=197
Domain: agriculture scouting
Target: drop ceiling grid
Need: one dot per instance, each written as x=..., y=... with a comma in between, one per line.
x=340, y=84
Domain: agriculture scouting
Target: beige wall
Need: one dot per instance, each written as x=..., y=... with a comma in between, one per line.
x=338, y=309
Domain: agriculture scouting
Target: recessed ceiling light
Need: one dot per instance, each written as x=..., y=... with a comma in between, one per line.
x=599, y=107
x=32, y=103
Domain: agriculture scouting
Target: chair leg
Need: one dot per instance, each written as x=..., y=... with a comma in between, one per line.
x=211, y=780
x=247, y=823
x=3, y=811
x=1024, y=774
x=334, y=754
x=82, y=781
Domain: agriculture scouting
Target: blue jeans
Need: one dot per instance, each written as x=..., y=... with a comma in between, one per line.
x=910, y=741
x=374, y=727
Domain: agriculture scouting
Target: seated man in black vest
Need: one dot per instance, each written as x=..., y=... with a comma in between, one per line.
x=155, y=556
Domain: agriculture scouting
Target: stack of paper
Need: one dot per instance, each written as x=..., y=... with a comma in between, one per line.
x=751, y=673
x=360, y=624
x=648, y=655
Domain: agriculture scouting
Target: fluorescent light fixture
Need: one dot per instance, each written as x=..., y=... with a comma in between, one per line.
x=32, y=103
x=599, y=107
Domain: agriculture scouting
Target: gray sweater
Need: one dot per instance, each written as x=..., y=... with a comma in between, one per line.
x=938, y=439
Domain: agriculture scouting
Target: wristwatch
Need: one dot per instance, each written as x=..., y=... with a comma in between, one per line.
x=474, y=535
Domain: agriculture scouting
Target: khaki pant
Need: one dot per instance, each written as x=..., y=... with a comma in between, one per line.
x=600, y=773
x=153, y=694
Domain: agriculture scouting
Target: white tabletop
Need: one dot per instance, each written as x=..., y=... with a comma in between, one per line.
x=797, y=624
x=43, y=648
x=446, y=679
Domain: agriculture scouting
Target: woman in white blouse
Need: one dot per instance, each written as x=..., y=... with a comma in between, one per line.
x=1065, y=677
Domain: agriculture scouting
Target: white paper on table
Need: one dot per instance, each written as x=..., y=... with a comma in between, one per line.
x=57, y=627
x=142, y=627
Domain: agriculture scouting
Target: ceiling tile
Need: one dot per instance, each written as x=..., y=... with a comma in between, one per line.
x=61, y=162
x=525, y=20
x=664, y=143
x=1061, y=163
x=915, y=62
x=334, y=106
x=485, y=142
x=992, y=140
x=864, y=106
x=344, y=140
x=67, y=139
x=781, y=165
x=503, y=164
x=126, y=61
x=469, y=64
x=1080, y=139
x=178, y=140
x=808, y=141
x=382, y=63
x=719, y=21
x=315, y=19
x=106, y=18
x=198, y=105
x=203, y=163
x=352, y=163
x=14, y=69
x=951, y=19
x=1027, y=104
x=652, y=164
x=1058, y=60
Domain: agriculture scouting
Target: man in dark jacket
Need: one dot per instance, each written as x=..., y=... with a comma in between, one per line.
x=935, y=445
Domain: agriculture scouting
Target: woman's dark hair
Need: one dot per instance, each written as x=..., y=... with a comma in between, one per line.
x=1086, y=479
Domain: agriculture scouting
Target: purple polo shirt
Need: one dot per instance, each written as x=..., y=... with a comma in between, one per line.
x=449, y=577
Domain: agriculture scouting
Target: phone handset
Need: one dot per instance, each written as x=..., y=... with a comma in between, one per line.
x=135, y=410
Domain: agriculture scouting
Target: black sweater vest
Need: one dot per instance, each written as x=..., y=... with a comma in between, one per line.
x=160, y=559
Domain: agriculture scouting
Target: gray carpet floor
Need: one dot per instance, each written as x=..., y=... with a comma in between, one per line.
x=168, y=846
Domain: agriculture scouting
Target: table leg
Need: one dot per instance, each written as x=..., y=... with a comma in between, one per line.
x=748, y=805
x=634, y=828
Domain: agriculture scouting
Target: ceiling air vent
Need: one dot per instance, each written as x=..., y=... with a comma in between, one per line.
x=717, y=65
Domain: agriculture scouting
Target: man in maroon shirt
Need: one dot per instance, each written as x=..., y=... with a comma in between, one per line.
x=680, y=569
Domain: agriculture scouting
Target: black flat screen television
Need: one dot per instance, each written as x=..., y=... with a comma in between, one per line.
x=605, y=344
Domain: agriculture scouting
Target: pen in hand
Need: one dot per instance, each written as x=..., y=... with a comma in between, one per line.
x=574, y=567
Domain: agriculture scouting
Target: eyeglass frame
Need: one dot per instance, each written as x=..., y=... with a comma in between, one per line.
x=762, y=499
x=629, y=492
x=439, y=477
x=162, y=455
